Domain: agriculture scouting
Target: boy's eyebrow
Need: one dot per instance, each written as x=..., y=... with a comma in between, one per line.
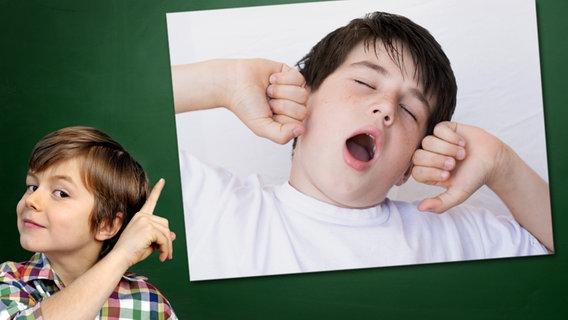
x=56, y=177
x=373, y=66
x=62, y=177
x=379, y=69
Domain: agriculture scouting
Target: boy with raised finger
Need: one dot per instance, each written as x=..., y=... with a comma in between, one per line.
x=87, y=213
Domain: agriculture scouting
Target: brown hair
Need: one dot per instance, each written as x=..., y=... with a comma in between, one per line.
x=117, y=181
x=432, y=65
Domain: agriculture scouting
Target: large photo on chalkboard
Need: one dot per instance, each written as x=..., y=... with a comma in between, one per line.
x=254, y=207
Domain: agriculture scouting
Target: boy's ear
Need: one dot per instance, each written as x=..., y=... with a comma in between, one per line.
x=405, y=176
x=107, y=230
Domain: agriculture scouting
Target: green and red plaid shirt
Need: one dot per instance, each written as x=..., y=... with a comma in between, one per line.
x=24, y=285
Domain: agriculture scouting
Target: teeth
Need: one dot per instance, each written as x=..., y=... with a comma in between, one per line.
x=362, y=147
x=373, y=142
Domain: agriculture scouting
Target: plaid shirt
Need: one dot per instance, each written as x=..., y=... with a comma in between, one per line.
x=24, y=285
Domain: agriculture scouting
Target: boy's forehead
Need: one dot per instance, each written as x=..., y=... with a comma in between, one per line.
x=65, y=169
x=378, y=55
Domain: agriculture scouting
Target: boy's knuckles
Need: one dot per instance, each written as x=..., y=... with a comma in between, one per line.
x=429, y=142
x=289, y=110
x=427, y=175
x=420, y=158
x=419, y=173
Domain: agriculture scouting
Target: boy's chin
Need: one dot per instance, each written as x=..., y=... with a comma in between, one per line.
x=27, y=246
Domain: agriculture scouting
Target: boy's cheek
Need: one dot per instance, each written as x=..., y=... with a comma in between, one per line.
x=20, y=206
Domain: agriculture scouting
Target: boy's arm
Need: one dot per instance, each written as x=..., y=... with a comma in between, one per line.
x=266, y=96
x=84, y=297
x=463, y=158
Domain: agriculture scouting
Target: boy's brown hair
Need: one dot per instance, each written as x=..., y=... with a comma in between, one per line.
x=432, y=65
x=117, y=181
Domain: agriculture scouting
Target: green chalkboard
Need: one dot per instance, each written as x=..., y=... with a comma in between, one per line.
x=106, y=64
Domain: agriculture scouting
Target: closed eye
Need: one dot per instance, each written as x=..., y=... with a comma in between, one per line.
x=408, y=111
x=364, y=84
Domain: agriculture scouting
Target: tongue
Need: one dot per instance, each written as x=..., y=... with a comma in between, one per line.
x=358, y=151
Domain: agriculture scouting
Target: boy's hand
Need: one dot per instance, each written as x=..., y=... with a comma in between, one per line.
x=459, y=158
x=270, y=97
x=147, y=232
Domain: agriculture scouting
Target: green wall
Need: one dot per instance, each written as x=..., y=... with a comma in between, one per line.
x=105, y=64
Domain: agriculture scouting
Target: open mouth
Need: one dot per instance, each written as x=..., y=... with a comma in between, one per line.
x=362, y=147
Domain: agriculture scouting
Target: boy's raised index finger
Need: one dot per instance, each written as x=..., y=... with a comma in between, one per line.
x=153, y=197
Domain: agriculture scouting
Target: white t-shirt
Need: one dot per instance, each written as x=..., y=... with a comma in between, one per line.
x=240, y=228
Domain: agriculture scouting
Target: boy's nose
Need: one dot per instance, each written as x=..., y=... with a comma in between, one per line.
x=385, y=112
x=33, y=201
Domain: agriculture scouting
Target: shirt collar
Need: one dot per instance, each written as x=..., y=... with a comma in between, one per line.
x=37, y=267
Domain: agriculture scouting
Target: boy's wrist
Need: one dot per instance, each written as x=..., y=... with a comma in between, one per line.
x=502, y=175
x=239, y=79
x=117, y=261
x=224, y=81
